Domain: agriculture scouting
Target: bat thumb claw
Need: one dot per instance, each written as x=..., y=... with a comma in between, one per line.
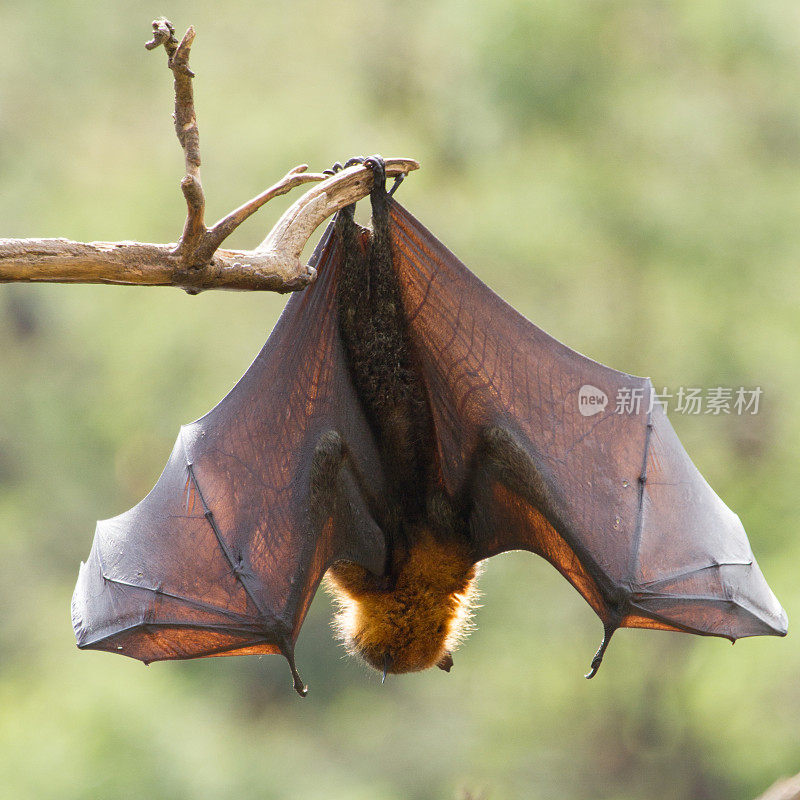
x=593, y=667
x=608, y=632
x=299, y=686
x=288, y=654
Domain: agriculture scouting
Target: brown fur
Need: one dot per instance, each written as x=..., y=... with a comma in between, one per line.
x=417, y=622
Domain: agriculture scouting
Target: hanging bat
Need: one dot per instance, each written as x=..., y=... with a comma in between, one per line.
x=401, y=424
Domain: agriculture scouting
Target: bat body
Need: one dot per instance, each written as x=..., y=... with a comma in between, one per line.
x=401, y=424
x=412, y=616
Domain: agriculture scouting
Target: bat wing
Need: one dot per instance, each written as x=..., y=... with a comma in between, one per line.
x=611, y=499
x=258, y=498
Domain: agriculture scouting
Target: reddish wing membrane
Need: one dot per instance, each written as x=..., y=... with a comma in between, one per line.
x=620, y=509
x=224, y=556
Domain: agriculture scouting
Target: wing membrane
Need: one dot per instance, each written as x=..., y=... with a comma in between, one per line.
x=225, y=553
x=611, y=499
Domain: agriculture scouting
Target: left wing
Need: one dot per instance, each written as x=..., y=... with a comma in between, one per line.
x=611, y=499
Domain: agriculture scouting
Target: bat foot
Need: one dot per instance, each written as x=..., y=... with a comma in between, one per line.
x=338, y=166
x=378, y=166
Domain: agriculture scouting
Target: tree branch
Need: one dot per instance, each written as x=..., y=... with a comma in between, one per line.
x=275, y=265
x=196, y=262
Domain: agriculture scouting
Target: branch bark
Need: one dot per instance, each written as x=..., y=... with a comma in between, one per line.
x=275, y=265
x=197, y=262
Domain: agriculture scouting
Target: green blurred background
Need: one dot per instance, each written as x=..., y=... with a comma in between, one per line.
x=627, y=173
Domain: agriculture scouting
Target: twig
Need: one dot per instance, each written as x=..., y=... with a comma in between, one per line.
x=198, y=243
x=196, y=262
x=185, y=128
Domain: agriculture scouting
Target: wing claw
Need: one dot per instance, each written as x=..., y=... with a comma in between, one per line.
x=608, y=632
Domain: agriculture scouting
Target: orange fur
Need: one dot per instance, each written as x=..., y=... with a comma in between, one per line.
x=419, y=621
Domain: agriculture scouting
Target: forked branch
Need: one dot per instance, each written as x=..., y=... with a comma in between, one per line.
x=197, y=262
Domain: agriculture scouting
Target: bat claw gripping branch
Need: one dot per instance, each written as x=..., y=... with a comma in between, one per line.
x=338, y=166
x=378, y=193
x=373, y=162
x=378, y=166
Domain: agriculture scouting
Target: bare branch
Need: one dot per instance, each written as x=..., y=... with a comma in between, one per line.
x=275, y=265
x=196, y=263
x=290, y=233
x=136, y=264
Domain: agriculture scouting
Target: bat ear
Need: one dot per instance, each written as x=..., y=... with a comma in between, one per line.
x=446, y=662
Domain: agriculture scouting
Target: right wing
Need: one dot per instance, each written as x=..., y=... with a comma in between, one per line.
x=612, y=500
x=259, y=497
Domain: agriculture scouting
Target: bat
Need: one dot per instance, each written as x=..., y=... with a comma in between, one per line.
x=402, y=424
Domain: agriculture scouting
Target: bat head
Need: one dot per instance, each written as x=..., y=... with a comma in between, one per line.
x=417, y=622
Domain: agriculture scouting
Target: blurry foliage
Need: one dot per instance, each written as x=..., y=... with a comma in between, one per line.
x=627, y=173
